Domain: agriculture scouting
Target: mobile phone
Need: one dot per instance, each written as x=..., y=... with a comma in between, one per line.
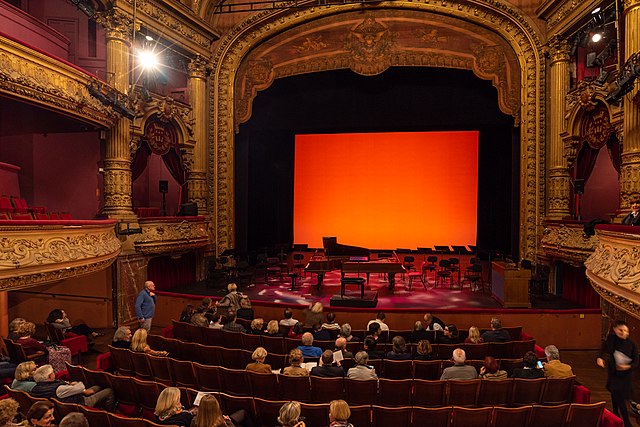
x=539, y=364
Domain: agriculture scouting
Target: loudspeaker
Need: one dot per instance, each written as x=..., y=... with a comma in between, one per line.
x=163, y=186
x=578, y=186
x=188, y=209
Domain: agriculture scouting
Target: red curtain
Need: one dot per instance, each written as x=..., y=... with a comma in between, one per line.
x=167, y=272
x=586, y=161
x=576, y=287
x=613, y=146
x=140, y=161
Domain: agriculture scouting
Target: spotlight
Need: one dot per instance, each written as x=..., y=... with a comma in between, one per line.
x=148, y=60
x=596, y=37
x=148, y=38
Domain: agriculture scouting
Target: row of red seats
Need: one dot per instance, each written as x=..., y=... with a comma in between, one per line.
x=39, y=216
x=18, y=205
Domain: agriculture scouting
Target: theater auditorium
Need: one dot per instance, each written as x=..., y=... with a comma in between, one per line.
x=340, y=160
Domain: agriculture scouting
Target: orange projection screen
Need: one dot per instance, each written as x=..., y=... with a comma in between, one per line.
x=386, y=190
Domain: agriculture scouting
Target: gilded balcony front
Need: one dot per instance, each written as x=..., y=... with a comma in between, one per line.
x=34, y=253
x=567, y=241
x=166, y=235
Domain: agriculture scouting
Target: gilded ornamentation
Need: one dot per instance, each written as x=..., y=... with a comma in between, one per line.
x=584, y=96
x=167, y=236
x=558, y=49
x=258, y=75
x=310, y=44
x=370, y=44
x=597, y=128
x=567, y=242
x=504, y=20
x=432, y=38
x=199, y=67
x=118, y=25
x=489, y=59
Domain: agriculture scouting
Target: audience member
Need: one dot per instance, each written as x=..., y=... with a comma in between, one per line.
x=259, y=355
x=433, y=323
x=40, y=414
x=289, y=415
x=490, y=371
x=307, y=348
x=198, y=319
x=122, y=337
x=29, y=344
x=296, y=331
x=206, y=308
x=424, y=351
x=169, y=409
x=257, y=326
x=554, y=368
x=313, y=314
x=326, y=367
x=345, y=331
x=634, y=216
x=418, y=333
x=13, y=328
x=58, y=319
x=8, y=412
x=339, y=414
x=24, y=377
x=231, y=301
x=380, y=320
x=375, y=330
x=288, y=318
x=139, y=343
x=74, y=419
x=187, y=312
x=450, y=335
x=341, y=346
x=399, y=350
x=216, y=321
x=295, y=361
x=459, y=371
x=209, y=414
x=531, y=370
x=146, y=305
x=369, y=346
x=331, y=324
x=496, y=334
x=48, y=386
x=320, y=334
x=362, y=371
x=245, y=311
x=474, y=336
x=272, y=329
x=231, y=324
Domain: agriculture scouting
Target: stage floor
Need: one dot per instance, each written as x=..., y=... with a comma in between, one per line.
x=306, y=292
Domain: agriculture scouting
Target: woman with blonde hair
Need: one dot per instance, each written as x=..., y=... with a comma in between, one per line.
x=8, y=412
x=210, y=415
x=289, y=415
x=23, y=378
x=259, y=355
x=256, y=326
x=169, y=408
x=139, y=343
x=273, y=329
x=295, y=360
x=474, y=336
x=339, y=414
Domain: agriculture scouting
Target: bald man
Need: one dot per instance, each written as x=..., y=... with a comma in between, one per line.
x=146, y=305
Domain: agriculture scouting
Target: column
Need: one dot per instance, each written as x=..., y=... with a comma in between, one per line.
x=197, y=175
x=559, y=178
x=117, y=162
x=630, y=168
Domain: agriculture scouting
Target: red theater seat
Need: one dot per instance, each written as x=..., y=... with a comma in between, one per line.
x=21, y=216
x=5, y=204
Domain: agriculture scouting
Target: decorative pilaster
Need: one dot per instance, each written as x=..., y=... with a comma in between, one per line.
x=117, y=162
x=630, y=169
x=559, y=178
x=197, y=185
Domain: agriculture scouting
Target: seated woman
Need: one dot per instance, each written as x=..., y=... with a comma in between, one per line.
x=257, y=326
x=339, y=414
x=289, y=415
x=474, y=336
x=58, y=318
x=450, y=335
x=24, y=377
x=199, y=319
x=186, y=314
x=273, y=329
x=345, y=332
x=245, y=311
x=40, y=414
x=424, y=351
x=419, y=332
x=296, y=331
x=399, y=350
x=122, y=337
x=169, y=408
x=8, y=412
x=259, y=355
x=295, y=360
x=489, y=370
x=139, y=343
x=210, y=415
x=31, y=345
x=531, y=370
x=13, y=328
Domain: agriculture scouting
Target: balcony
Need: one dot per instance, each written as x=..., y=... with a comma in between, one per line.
x=566, y=241
x=34, y=253
x=171, y=234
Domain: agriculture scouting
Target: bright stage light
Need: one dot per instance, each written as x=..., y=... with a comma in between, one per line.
x=148, y=60
x=596, y=37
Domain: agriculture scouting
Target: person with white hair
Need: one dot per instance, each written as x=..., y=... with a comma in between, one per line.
x=459, y=371
x=362, y=371
x=554, y=368
x=307, y=347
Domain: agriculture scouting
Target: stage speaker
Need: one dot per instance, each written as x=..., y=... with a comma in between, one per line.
x=578, y=186
x=164, y=186
x=188, y=209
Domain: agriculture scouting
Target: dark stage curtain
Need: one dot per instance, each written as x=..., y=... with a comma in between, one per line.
x=173, y=162
x=140, y=161
x=167, y=272
x=576, y=287
x=586, y=161
x=613, y=147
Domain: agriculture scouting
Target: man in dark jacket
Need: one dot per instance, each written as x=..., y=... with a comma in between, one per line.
x=496, y=334
x=326, y=368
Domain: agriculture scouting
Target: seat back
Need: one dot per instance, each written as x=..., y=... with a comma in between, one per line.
x=384, y=416
x=141, y=365
x=526, y=391
x=463, y=393
x=324, y=390
x=549, y=416
x=295, y=388
x=495, y=392
x=361, y=392
x=395, y=392
x=432, y=417
x=208, y=376
x=511, y=417
x=397, y=369
x=160, y=369
x=234, y=381
x=264, y=386
x=122, y=360
x=426, y=369
x=316, y=414
x=557, y=391
x=471, y=417
x=183, y=373
x=585, y=414
x=267, y=411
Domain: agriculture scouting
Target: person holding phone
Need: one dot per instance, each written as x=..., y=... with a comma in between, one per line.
x=620, y=356
x=532, y=367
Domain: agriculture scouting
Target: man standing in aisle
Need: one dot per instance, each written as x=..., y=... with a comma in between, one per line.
x=146, y=305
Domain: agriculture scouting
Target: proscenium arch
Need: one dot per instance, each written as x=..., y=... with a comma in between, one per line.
x=502, y=18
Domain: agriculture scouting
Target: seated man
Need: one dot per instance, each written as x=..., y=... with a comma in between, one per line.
x=362, y=371
x=380, y=321
x=326, y=368
x=320, y=334
x=554, y=368
x=331, y=322
x=459, y=371
x=433, y=323
x=370, y=348
x=307, y=348
x=122, y=337
x=496, y=334
x=231, y=324
x=48, y=386
x=375, y=330
x=341, y=346
x=288, y=318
